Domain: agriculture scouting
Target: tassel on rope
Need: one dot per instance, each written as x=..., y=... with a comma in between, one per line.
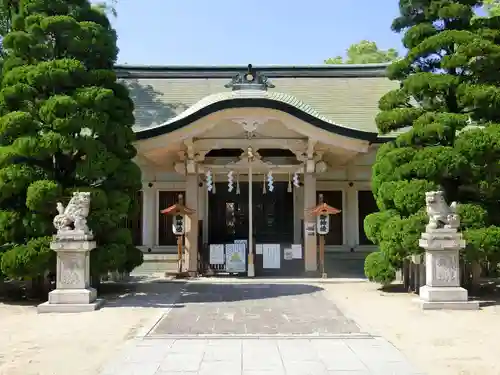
x=264, y=186
x=289, y=188
x=238, y=184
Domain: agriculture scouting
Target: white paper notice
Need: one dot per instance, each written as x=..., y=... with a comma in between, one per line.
x=271, y=256
x=258, y=249
x=297, y=251
x=287, y=254
x=235, y=258
x=245, y=242
x=216, y=254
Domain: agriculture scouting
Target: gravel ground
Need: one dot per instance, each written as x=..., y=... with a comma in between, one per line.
x=76, y=344
x=438, y=342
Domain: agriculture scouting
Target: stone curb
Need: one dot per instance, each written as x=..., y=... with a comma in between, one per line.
x=149, y=327
x=340, y=336
x=267, y=281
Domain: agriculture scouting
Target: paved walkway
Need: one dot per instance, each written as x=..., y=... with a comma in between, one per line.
x=257, y=329
x=252, y=356
x=211, y=308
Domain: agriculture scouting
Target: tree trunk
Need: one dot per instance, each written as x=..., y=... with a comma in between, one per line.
x=475, y=275
x=406, y=274
x=38, y=288
x=95, y=280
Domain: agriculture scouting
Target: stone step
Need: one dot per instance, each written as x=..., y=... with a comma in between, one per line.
x=156, y=264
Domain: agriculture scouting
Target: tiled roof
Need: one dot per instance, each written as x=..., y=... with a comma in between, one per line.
x=333, y=96
x=248, y=94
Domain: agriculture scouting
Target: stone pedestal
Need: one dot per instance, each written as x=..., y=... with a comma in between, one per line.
x=73, y=292
x=442, y=264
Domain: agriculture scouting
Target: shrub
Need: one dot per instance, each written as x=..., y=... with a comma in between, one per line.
x=378, y=269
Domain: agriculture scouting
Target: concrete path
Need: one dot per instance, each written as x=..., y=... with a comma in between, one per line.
x=256, y=329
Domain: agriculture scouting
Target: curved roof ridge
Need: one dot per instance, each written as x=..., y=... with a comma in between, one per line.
x=248, y=94
x=253, y=98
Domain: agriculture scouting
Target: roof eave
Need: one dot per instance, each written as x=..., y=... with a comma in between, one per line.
x=271, y=71
x=255, y=103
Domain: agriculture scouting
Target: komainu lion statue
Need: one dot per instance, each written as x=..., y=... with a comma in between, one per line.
x=440, y=214
x=73, y=217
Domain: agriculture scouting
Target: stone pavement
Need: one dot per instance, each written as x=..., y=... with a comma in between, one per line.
x=256, y=329
x=254, y=356
x=210, y=308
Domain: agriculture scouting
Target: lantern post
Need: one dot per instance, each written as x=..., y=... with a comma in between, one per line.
x=179, y=212
x=322, y=213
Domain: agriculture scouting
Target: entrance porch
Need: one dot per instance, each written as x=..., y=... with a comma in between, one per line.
x=250, y=162
x=178, y=162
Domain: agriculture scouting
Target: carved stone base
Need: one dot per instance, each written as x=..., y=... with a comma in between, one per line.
x=73, y=236
x=443, y=294
x=72, y=296
x=69, y=307
x=442, y=267
x=445, y=298
x=469, y=305
x=73, y=292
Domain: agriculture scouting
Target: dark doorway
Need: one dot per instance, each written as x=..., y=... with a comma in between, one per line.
x=272, y=222
x=272, y=214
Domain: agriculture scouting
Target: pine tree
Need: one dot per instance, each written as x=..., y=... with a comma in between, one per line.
x=446, y=116
x=65, y=125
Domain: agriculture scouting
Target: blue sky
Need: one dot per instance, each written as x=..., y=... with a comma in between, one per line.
x=215, y=32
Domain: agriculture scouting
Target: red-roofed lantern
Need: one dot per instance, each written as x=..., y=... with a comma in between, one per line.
x=322, y=213
x=179, y=212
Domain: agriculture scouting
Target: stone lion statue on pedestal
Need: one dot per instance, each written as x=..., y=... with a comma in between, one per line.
x=73, y=217
x=440, y=214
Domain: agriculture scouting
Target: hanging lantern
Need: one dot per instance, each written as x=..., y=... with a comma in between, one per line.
x=323, y=224
x=178, y=225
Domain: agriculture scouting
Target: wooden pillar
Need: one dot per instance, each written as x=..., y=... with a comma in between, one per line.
x=310, y=248
x=149, y=215
x=191, y=260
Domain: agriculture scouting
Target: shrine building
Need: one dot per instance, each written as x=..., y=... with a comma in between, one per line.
x=295, y=132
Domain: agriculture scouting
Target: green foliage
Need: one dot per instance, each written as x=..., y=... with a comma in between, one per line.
x=28, y=260
x=447, y=114
x=42, y=195
x=483, y=244
x=492, y=7
x=399, y=237
x=65, y=125
x=375, y=222
x=472, y=216
x=107, y=7
x=378, y=269
x=365, y=52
